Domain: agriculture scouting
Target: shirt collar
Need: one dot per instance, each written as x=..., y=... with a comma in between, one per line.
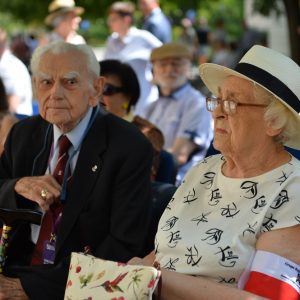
x=177, y=93
x=76, y=133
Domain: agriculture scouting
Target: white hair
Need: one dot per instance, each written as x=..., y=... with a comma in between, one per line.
x=60, y=47
x=277, y=115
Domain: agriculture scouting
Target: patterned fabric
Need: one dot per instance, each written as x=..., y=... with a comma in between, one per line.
x=211, y=225
x=93, y=278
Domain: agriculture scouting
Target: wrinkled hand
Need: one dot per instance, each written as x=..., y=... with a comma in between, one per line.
x=11, y=289
x=31, y=188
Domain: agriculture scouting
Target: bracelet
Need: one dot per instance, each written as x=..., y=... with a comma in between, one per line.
x=156, y=265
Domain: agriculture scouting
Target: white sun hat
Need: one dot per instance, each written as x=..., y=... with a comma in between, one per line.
x=272, y=70
x=60, y=7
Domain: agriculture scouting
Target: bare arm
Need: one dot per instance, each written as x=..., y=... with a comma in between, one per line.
x=182, y=148
x=13, y=101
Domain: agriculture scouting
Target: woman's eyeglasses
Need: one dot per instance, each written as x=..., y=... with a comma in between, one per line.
x=110, y=90
x=228, y=106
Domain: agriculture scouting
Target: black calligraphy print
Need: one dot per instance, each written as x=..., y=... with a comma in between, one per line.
x=173, y=239
x=170, y=203
x=190, y=197
x=201, y=219
x=230, y=211
x=193, y=257
x=250, y=187
x=282, y=179
x=215, y=197
x=297, y=218
x=250, y=229
x=268, y=223
x=280, y=199
x=208, y=179
x=170, y=223
x=260, y=203
x=170, y=265
x=231, y=280
x=228, y=259
x=213, y=236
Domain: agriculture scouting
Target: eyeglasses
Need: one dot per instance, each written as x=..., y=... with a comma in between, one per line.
x=228, y=106
x=110, y=90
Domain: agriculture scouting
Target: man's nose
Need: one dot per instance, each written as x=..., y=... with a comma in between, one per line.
x=57, y=90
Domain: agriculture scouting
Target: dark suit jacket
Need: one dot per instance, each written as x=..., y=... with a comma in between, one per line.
x=107, y=209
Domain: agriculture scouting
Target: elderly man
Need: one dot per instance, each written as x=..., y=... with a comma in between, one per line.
x=94, y=192
x=180, y=111
x=16, y=79
x=155, y=21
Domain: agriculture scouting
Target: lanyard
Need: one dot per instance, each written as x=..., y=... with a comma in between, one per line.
x=63, y=194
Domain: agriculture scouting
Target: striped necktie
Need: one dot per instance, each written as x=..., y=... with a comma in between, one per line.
x=51, y=219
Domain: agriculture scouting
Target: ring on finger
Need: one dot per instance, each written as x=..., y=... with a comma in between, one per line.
x=44, y=194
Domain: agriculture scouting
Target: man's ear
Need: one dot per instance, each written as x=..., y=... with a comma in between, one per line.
x=97, y=90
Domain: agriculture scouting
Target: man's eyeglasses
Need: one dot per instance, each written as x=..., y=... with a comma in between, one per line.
x=110, y=90
x=228, y=106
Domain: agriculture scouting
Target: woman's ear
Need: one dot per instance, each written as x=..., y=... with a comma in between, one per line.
x=271, y=130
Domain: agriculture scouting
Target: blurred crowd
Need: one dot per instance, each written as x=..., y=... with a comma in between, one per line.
x=166, y=100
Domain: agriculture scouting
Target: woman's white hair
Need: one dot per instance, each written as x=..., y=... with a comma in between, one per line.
x=277, y=115
x=59, y=47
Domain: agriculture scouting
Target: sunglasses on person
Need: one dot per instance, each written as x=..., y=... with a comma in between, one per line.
x=110, y=89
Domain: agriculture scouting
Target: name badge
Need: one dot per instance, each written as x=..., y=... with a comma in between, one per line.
x=49, y=252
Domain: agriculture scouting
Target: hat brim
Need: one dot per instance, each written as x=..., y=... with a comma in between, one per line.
x=78, y=10
x=213, y=76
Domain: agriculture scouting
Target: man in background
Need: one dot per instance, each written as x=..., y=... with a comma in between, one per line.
x=155, y=21
x=133, y=46
x=180, y=111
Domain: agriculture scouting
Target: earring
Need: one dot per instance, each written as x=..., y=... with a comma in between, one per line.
x=125, y=105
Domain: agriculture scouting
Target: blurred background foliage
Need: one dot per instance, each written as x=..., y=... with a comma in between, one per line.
x=20, y=15
x=28, y=16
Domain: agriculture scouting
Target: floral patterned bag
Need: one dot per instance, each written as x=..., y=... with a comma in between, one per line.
x=92, y=278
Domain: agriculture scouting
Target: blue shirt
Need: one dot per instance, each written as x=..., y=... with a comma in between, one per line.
x=184, y=115
x=159, y=25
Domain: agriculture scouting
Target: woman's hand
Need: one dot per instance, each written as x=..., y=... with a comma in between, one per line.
x=146, y=261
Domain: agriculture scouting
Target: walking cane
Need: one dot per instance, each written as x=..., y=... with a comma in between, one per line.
x=9, y=218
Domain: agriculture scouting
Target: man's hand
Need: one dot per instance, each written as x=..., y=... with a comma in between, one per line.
x=11, y=288
x=43, y=190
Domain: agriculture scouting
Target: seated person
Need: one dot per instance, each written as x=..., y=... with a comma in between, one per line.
x=244, y=202
x=120, y=95
x=180, y=111
x=74, y=163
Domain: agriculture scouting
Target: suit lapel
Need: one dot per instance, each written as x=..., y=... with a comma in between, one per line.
x=41, y=143
x=86, y=173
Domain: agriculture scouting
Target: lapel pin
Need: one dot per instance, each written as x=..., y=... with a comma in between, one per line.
x=94, y=168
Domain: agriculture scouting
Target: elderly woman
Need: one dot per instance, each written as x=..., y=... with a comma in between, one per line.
x=231, y=231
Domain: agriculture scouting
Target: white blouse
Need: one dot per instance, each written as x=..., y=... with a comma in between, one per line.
x=211, y=225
